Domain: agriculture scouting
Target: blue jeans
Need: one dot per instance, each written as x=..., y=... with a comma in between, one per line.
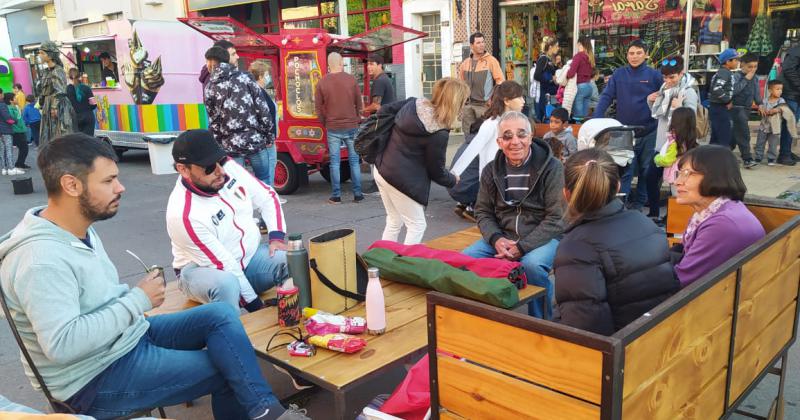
x=785, y=152
x=537, y=264
x=183, y=356
x=335, y=140
x=720, y=120
x=263, y=163
x=207, y=284
x=644, y=150
x=581, y=105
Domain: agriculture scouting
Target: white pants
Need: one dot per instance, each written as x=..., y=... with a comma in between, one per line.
x=400, y=210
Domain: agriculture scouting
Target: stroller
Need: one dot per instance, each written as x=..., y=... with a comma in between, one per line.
x=610, y=135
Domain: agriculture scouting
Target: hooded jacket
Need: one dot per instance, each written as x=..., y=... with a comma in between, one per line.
x=611, y=267
x=537, y=218
x=661, y=109
x=416, y=152
x=630, y=87
x=7, y=120
x=567, y=138
x=73, y=314
x=238, y=114
x=791, y=74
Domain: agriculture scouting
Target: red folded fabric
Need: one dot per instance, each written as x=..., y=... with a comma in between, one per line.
x=483, y=267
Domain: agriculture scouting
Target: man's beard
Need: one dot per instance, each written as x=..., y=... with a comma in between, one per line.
x=208, y=188
x=94, y=212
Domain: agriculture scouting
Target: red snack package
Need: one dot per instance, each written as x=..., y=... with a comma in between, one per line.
x=338, y=342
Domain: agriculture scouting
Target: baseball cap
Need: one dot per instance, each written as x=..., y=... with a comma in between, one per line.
x=197, y=147
x=728, y=55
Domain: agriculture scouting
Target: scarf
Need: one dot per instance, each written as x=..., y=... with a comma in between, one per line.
x=662, y=107
x=700, y=217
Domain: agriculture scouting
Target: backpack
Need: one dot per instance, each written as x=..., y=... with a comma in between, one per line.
x=703, y=126
x=374, y=132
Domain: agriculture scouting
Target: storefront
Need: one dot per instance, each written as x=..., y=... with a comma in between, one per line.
x=523, y=26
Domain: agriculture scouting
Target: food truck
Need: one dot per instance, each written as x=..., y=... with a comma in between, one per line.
x=297, y=59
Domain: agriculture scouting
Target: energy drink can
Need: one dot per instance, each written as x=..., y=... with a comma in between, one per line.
x=288, y=306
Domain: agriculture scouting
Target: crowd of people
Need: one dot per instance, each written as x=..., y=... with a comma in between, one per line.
x=565, y=211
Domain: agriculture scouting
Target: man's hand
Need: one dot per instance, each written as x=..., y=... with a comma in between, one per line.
x=276, y=245
x=153, y=285
x=458, y=178
x=729, y=105
x=652, y=97
x=504, y=246
x=677, y=102
x=750, y=75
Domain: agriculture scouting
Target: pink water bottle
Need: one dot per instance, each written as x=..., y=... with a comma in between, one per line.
x=376, y=309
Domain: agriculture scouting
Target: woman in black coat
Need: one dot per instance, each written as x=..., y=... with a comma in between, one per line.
x=613, y=264
x=82, y=99
x=415, y=155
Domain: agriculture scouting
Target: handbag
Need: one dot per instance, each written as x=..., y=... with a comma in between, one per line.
x=338, y=275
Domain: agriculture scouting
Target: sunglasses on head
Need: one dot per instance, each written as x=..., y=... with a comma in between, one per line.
x=520, y=134
x=669, y=62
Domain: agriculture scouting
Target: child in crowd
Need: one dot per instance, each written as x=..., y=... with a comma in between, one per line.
x=720, y=96
x=681, y=137
x=32, y=118
x=746, y=92
x=6, y=135
x=561, y=133
x=769, y=132
x=19, y=137
x=595, y=98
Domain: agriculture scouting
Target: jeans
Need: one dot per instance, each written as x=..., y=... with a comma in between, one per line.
x=741, y=131
x=770, y=140
x=35, y=126
x=183, y=356
x=720, y=120
x=263, y=163
x=654, y=176
x=785, y=151
x=581, y=105
x=644, y=150
x=400, y=210
x=335, y=140
x=207, y=284
x=537, y=264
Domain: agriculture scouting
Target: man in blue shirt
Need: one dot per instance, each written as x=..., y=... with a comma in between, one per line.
x=630, y=86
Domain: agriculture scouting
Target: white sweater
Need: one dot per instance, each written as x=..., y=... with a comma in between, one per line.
x=483, y=145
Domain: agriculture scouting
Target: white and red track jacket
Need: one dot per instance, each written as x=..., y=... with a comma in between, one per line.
x=218, y=230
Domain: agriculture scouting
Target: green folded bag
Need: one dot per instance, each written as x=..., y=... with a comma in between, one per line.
x=436, y=275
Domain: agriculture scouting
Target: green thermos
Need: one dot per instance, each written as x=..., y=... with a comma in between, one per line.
x=297, y=259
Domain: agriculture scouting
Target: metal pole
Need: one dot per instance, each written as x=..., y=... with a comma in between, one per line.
x=466, y=15
x=576, y=24
x=687, y=37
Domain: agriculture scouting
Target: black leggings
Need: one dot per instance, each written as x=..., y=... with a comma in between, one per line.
x=21, y=142
x=86, y=123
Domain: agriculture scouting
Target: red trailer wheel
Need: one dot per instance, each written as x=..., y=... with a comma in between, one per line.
x=287, y=177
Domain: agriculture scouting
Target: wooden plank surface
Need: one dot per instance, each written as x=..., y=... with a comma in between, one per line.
x=749, y=362
x=479, y=393
x=565, y=367
x=768, y=302
x=772, y=218
x=707, y=404
x=762, y=268
x=792, y=249
x=456, y=241
x=657, y=352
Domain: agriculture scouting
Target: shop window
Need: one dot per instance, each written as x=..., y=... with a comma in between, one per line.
x=88, y=54
x=355, y=5
x=356, y=24
x=379, y=19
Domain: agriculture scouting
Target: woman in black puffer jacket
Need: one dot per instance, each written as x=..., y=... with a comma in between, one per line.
x=415, y=155
x=613, y=264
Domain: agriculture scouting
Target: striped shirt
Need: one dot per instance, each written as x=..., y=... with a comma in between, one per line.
x=517, y=181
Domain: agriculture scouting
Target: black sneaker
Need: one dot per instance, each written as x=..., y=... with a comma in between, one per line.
x=635, y=206
x=335, y=200
x=788, y=161
x=24, y=166
x=358, y=198
x=749, y=164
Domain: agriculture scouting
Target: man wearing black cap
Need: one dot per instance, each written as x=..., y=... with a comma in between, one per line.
x=216, y=245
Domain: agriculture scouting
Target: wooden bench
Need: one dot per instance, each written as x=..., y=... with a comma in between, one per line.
x=697, y=355
x=539, y=129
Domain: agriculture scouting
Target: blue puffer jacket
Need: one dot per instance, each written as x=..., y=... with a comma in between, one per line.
x=630, y=87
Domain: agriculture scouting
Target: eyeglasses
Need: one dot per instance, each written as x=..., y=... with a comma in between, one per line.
x=521, y=134
x=213, y=167
x=669, y=62
x=684, y=174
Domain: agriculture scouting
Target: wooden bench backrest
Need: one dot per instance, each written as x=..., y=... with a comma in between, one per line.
x=770, y=217
x=680, y=366
x=508, y=365
x=539, y=129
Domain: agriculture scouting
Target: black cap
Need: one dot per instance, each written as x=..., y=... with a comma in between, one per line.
x=197, y=147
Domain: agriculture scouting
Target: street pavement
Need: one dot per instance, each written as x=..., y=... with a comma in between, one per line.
x=140, y=227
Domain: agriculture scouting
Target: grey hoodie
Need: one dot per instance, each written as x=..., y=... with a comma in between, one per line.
x=567, y=139
x=73, y=314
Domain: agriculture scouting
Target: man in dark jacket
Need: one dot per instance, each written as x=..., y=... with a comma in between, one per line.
x=238, y=114
x=630, y=86
x=791, y=93
x=520, y=205
x=724, y=85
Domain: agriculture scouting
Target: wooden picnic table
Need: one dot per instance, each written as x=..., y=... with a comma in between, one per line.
x=406, y=335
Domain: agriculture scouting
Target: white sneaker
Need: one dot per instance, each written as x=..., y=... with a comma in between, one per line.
x=282, y=200
x=5, y=172
x=15, y=171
